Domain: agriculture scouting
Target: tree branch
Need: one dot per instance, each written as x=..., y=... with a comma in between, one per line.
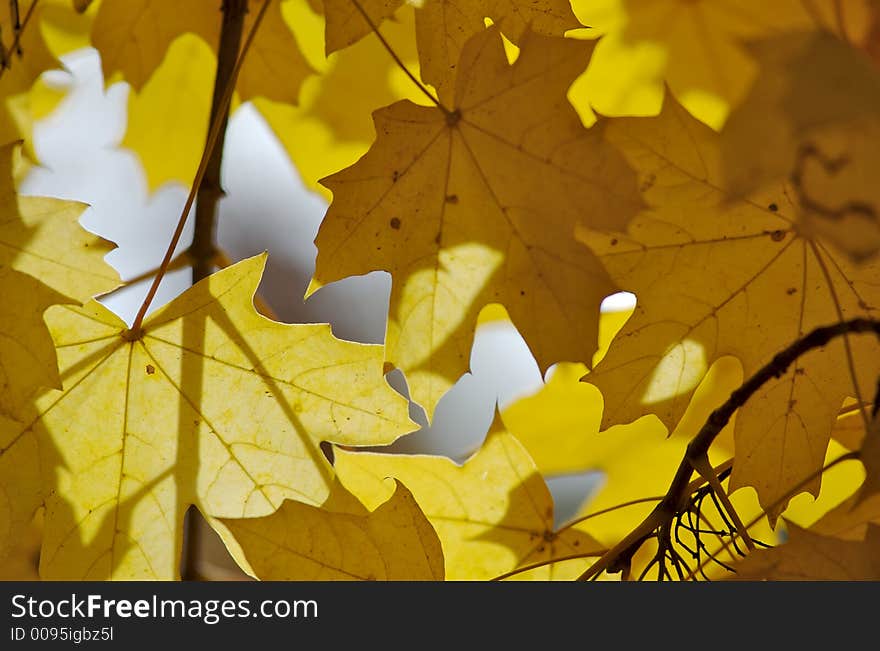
x=203, y=250
x=659, y=521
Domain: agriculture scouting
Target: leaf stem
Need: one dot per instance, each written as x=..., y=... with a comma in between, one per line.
x=398, y=60
x=213, y=136
x=549, y=561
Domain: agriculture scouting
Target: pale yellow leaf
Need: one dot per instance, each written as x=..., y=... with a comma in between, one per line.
x=212, y=405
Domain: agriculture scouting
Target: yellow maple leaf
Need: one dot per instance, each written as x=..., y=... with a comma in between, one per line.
x=345, y=22
x=342, y=541
x=811, y=119
x=46, y=257
x=331, y=128
x=492, y=514
x=173, y=106
x=212, y=404
x=476, y=204
x=134, y=35
x=716, y=277
x=808, y=556
x=696, y=47
x=40, y=238
x=444, y=26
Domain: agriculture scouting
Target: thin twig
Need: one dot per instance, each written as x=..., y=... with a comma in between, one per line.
x=676, y=497
x=398, y=60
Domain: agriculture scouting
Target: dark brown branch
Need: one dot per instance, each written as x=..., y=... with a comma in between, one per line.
x=659, y=521
x=203, y=250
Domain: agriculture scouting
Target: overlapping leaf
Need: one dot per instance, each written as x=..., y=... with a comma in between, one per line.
x=212, y=405
x=444, y=26
x=808, y=556
x=342, y=541
x=477, y=203
x=493, y=514
x=45, y=258
x=716, y=277
x=812, y=119
x=134, y=35
x=695, y=47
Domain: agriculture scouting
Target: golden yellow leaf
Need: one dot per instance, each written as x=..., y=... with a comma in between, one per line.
x=40, y=238
x=809, y=556
x=812, y=119
x=477, y=204
x=22, y=562
x=46, y=257
x=212, y=405
x=696, y=47
x=719, y=277
x=331, y=128
x=444, y=26
x=345, y=24
x=134, y=35
x=559, y=426
x=173, y=106
x=342, y=541
x=492, y=514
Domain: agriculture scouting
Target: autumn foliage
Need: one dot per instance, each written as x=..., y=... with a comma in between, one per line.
x=716, y=158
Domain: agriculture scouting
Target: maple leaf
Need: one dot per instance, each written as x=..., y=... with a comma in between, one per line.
x=133, y=36
x=809, y=556
x=332, y=126
x=46, y=257
x=342, y=540
x=811, y=118
x=444, y=26
x=477, y=204
x=695, y=47
x=492, y=514
x=212, y=405
x=719, y=277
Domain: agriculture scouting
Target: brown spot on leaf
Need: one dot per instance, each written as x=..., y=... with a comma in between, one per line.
x=150, y=369
x=791, y=291
x=452, y=198
x=772, y=207
x=614, y=241
x=777, y=236
x=395, y=223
